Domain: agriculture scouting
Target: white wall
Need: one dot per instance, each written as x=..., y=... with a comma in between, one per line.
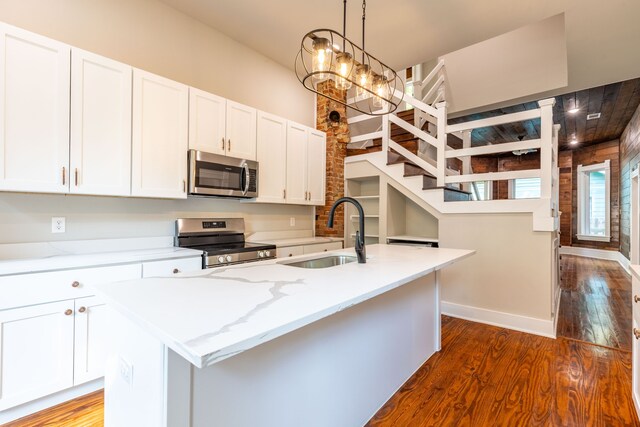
x=152, y=36
x=523, y=62
x=27, y=217
x=509, y=277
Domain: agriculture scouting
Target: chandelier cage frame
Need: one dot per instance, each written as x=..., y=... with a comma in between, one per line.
x=339, y=44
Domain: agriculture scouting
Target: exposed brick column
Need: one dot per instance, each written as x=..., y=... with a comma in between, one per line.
x=337, y=139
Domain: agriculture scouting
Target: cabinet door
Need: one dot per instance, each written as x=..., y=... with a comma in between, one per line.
x=272, y=158
x=296, y=163
x=100, y=125
x=207, y=114
x=316, y=161
x=90, y=349
x=159, y=154
x=34, y=112
x=241, y=131
x=289, y=251
x=36, y=352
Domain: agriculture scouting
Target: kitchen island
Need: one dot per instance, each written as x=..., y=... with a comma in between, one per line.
x=271, y=344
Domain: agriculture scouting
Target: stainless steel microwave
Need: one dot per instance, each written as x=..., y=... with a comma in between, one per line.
x=216, y=175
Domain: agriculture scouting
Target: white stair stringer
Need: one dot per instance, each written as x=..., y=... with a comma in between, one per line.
x=540, y=208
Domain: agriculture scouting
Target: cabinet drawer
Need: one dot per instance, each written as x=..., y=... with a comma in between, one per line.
x=289, y=251
x=171, y=267
x=38, y=288
x=322, y=247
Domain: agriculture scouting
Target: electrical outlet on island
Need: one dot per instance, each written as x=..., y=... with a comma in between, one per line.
x=58, y=224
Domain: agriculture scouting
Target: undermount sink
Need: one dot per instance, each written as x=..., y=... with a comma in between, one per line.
x=324, y=262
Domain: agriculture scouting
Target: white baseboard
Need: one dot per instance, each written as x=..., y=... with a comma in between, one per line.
x=516, y=322
x=32, y=407
x=597, y=254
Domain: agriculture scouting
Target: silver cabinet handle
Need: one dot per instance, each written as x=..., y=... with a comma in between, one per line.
x=76, y=176
x=184, y=186
x=229, y=145
x=222, y=144
x=64, y=175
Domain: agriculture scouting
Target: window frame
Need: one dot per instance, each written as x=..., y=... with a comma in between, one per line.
x=583, y=197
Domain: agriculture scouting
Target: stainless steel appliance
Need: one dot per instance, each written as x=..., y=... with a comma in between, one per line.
x=216, y=175
x=222, y=240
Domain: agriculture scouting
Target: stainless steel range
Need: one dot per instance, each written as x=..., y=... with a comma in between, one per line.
x=222, y=240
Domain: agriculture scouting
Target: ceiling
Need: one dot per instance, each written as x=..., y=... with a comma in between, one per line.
x=600, y=34
x=616, y=102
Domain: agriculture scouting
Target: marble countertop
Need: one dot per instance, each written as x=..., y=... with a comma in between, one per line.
x=210, y=315
x=85, y=260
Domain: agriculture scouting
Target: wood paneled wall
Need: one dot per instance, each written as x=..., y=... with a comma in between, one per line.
x=629, y=158
x=565, y=162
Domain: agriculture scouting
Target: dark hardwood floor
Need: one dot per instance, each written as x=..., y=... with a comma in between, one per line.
x=490, y=376
x=595, y=304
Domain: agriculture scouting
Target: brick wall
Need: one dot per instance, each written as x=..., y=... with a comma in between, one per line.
x=337, y=139
x=629, y=158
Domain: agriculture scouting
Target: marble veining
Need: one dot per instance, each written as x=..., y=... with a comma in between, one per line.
x=210, y=315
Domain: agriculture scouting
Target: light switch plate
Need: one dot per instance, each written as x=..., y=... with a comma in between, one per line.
x=58, y=224
x=126, y=371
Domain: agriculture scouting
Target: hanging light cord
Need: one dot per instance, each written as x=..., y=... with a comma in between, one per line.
x=364, y=14
x=344, y=25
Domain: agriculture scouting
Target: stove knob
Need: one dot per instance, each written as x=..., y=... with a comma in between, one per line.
x=260, y=254
x=267, y=253
x=229, y=259
x=220, y=259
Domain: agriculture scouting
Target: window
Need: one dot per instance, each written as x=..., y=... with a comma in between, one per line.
x=593, y=202
x=481, y=190
x=526, y=188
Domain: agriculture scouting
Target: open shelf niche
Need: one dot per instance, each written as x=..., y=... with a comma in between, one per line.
x=365, y=190
x=407, y=222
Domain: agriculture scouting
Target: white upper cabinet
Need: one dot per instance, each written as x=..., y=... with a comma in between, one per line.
x=296, y=163
x=34, y=112
x=207, y=117
x=100, y=125
x=316, y=164
x=160, y=137
x=241, y=131
x=272, y=158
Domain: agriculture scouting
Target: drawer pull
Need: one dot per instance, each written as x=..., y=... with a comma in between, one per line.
x=68, y=312
x=290, y=254
x=75, y=284
x=636, y=298
x=82, y=309
x=636, y=333
x=176, y=271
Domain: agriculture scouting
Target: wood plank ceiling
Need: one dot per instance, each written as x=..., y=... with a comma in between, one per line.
x=616, y=103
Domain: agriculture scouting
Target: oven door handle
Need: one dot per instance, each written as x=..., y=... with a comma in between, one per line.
x=246, y=179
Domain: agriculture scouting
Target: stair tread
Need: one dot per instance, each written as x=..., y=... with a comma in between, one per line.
x=448, y=189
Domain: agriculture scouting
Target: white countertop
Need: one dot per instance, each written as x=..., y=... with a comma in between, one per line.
x=95, y=259
x=281, y=243
x=214, y=314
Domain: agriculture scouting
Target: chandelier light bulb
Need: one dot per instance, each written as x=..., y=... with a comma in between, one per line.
x=321, y=58
x=381, y=89
x=344, y=65
x=364, y=79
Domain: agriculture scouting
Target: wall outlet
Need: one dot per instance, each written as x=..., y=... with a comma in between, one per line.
x=292, y=222
x=58, y=224
x=126, y=371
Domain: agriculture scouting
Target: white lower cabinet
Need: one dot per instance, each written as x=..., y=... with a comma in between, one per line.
x=90, y=350
x=53, y=329
x=36, y=351
x=290, y=251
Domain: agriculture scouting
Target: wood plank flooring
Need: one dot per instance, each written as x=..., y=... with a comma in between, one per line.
x=86, y=411
x=490, y=376
x=595, y=303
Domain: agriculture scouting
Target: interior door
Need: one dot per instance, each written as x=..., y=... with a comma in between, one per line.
x=34, y=112
x=100, y=125
x=36, y=351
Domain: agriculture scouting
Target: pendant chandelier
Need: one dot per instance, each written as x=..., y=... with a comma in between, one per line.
x=327, y=55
